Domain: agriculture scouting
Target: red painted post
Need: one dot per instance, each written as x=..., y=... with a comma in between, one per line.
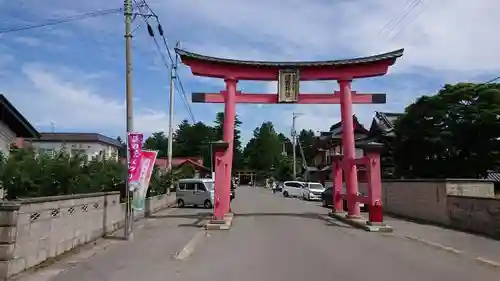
x=337, y=184
x=220, y=177
x=228, y=132
x=372, y=153
x=349, y=149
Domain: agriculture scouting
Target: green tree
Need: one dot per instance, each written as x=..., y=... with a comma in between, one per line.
x=306, y=139
x=27, y=174
x=157, y=141
x=287, y=144
x=193, y=141
x=264, y=150
x=238, y=159
x=122, y=150
x=455, y=133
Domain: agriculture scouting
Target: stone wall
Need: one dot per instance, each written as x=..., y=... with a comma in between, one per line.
x=36, y=229
x=466, y=204
x=475, y=214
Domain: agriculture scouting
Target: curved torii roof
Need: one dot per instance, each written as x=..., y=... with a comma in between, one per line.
x=361, y=67
x=292, y=64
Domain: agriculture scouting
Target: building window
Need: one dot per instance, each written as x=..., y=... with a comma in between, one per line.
x=75, y=152
x=46, y=151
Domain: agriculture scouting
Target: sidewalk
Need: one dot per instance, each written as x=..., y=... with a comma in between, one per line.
x=474, y=246
x=164, y=235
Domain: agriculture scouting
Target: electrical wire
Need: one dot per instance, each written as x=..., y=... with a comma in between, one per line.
x=412, y=7
x=61, y=20
x=177, y=80
x=392, y=24
x=409, y=22
x=391, y=21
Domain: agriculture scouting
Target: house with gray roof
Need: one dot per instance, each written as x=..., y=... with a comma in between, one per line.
x=89, y=144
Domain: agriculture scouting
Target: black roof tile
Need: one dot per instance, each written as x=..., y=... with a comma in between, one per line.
x=341, y=62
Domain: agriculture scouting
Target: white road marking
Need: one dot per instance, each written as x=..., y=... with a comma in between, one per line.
x=190, y=246
x=434, y=244
x=488, y=262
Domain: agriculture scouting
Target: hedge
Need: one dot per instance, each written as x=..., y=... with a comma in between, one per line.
x=26, y=173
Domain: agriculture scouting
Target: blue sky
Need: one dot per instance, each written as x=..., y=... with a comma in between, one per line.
x=72, y=74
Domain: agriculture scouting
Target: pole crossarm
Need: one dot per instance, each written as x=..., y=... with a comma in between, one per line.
x=304, y=98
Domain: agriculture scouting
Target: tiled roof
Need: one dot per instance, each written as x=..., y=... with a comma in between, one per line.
x=494, y=176
x=176, y=161
x=15, y=120
x=77, y=137
x=386, y=119
x=336, y=129
x=361, y=60
x=162, y=163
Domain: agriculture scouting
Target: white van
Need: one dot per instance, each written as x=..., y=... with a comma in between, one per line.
x=195, y=192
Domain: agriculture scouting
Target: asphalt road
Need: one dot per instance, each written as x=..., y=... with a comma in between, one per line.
x=273, y=238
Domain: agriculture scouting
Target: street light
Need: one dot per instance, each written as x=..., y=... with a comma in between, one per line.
x=294, y=143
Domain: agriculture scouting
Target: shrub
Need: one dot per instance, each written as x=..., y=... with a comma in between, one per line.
x=28, y=174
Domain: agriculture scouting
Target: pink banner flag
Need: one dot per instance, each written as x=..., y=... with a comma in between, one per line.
x=134, y=143
x=148, y=159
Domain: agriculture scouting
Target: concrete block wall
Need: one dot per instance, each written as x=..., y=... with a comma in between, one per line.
x=466, y=204
x=475, y=214
x=36, y=229
x=422, y=200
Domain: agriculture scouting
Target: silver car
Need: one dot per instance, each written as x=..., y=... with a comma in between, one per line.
x=195, y=192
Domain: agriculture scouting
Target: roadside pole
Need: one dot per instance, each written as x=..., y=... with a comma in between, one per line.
x=129, y=214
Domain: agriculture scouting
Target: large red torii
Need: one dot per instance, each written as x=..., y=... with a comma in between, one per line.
x=288, y=75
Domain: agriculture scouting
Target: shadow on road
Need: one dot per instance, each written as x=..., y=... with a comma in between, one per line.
x=309, y=215
x=198, y=218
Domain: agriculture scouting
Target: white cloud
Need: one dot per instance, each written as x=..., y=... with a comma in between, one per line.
x=446, y=40
x=69, y=104
x=29, y=41
x=438, y=35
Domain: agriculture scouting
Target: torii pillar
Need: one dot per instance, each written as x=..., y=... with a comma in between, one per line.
x=349, y=150
x=228, y=136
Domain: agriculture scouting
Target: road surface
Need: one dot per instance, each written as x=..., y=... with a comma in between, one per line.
x=273, y=238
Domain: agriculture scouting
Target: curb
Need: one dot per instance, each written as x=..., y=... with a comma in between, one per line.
x=224, y=224
x=433, y=244
x=360, y=223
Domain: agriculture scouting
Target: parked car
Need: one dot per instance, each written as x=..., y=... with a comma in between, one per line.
x=293, y=188
x=312, y=191
x=327, y=199
x=195, y=192
x=278, y=187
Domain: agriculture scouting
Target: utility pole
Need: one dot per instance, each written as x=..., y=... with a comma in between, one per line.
x=173, y=73
x=294, y=144
x=127, y=12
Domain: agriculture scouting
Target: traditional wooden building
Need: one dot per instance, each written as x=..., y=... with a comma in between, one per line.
x=382, y=130
x=330, y=143
x=327, y=144
x=194, y=164
x=383, y=124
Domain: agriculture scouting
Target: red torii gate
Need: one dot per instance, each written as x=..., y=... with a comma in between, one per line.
x=288, y=75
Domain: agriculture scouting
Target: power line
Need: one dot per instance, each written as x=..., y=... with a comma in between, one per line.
x=492, y=80
x=61, y=20
x=391, y=25
x=391, y=21
x=413, y=5
x=179, y=85
x=409, y=22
